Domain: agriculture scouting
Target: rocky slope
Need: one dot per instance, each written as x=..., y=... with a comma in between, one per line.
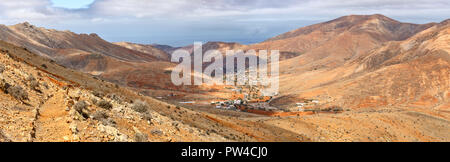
x=51, y=103
x=166, y=48
x=377, y=28
x=49, y=42
x=43, y=101
x=395, y=72
x=159, y=54
x=391, y=78
x=91, y=54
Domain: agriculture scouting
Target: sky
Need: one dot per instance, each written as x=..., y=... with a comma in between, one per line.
x=72, y=4
x=181, y=22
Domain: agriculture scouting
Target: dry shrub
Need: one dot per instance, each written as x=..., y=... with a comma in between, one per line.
x=140, y=137
x=140, y=106
x=104, y=104
x=18, y=93
x=100, y=115
x=34, y=85
x=98, y=94
x=80, y=106
x=147, y=116
x=4, y=85
x=103, y=117
x=2, y=68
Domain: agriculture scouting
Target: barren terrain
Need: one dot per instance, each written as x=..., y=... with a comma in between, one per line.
x=361, y=77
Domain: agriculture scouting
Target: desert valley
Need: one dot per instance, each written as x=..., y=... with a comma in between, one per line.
x=363, y=78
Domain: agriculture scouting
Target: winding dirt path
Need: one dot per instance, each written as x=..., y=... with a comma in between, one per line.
x=52, y=125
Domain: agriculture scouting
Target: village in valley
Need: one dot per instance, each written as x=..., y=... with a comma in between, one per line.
x=249, y=98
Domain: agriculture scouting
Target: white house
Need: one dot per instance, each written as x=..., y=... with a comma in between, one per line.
x=301, y=104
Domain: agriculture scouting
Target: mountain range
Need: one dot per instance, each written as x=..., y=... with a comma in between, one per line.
x=387, y=75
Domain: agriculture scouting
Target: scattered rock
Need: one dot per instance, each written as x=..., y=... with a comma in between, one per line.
x=156, y=132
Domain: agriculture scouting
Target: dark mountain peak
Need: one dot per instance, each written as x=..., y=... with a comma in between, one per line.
x=24, y=25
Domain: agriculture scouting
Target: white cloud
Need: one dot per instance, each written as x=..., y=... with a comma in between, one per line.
x=215, y=8
x=243, y=18
x=42, y=10
x=14, y=11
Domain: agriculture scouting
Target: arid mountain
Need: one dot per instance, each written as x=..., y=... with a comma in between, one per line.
x=160, y=54
x=374, y=28
x=332, y=43
x=137, y=66
x=166, y=48
x=393, y=78
x=43, y=101
x=411, y=71
x=222, y=46
x=414, y=72
x=48, y=42
x=134, y=65
x=389, y=77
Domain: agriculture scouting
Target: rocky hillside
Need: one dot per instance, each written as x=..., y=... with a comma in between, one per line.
x=43, y=101
x=159, y=54
x=133, y=65
x=49, y=42
x=409, y=72
x=166, y=48
x=38, y=105
x=391, y=78
x=367, y=28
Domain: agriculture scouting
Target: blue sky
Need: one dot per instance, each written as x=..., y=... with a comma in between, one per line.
x=72, y=4
x=181, y=22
